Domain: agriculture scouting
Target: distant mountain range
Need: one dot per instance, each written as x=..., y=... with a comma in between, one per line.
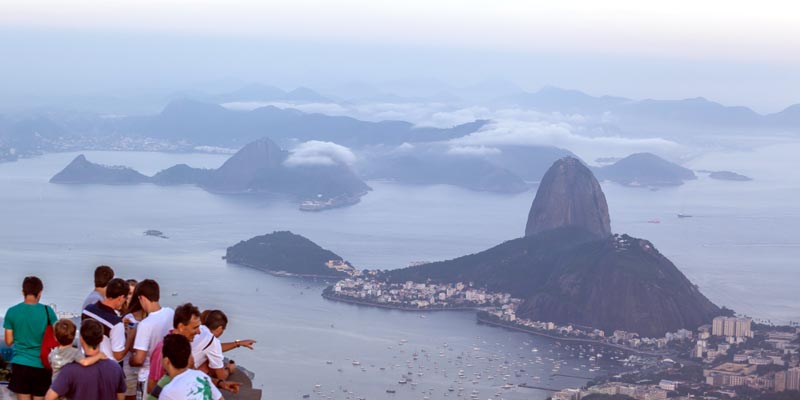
x=257, y=168
x=211, y=124
x=505, y=169
x=569, y=268
x=673, y=118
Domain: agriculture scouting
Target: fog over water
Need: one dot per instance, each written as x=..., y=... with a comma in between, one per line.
x=740, y=247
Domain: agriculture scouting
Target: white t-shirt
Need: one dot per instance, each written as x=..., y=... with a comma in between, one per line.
x=115, y=340
x=190, y=385
x=151, y=331
x=115, y=343
x=202, y=350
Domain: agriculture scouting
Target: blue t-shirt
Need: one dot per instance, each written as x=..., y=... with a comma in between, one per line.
x=100, y=381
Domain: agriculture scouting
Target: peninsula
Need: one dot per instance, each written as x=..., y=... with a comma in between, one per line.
x=284, y=253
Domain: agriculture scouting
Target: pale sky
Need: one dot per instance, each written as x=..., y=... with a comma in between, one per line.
x=736, y=52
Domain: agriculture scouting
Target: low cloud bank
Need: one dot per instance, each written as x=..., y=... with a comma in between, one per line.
x=316, y=153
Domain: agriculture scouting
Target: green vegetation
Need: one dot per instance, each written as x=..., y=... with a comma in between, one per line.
x=568, y=275
x=284, y=251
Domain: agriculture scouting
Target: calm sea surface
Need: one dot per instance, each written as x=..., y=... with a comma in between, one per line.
x=741, y=247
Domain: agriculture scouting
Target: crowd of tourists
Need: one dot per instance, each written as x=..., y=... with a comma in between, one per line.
x=128, y=346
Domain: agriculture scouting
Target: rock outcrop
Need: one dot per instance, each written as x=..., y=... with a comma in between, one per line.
x=569, y=196
x=570, y=269
x=81, y=170
x=258, y=168
x=645, y=169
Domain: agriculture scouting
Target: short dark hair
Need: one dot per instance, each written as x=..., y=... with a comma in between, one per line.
x=214, y=319
x=116, y=287
x=184, y=313
x=177, y=349
x=92, y=332
x=102, y=275
x=65, y=331
x=149, y=289
x=32, y=286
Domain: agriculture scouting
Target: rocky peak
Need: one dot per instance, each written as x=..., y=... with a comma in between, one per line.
x=240, y=170
x=569, y=195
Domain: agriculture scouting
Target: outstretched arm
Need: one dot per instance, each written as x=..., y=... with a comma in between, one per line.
x=239, y=343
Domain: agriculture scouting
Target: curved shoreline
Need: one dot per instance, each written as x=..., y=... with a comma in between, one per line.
x=559, y=338
x=349, y=300
x=284, y=274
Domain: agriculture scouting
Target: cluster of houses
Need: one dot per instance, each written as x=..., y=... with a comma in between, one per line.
x=419, y=295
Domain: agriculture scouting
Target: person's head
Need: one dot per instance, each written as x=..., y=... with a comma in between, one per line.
x=216, y=321
x=186, y=321
x=129, y=298
x=91, y=334
x=131, y=286
x=149, y=294
x=176, y=352
x=32, y=286
x=116, y=293
x=134, y=305
x=65, y=331
x=102, y=275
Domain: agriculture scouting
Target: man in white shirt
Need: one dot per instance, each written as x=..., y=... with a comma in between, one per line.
x=207, y=348
x=152, y=329
x=185, y=383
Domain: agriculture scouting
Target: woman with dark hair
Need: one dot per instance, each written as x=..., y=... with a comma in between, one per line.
x=132, y=313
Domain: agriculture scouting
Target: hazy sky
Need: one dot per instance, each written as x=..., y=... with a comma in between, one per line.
x=735, y=52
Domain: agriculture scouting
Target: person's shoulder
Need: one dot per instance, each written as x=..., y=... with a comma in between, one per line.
x=13, y=310
x=108, y=365
x=71, y=369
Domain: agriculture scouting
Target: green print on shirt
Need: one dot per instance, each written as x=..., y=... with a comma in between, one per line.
x=205, y=390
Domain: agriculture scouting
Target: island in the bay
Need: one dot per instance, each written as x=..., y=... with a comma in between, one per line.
x=284, y=253
x=572, y=280
x=260, y=167
x=645, y=169
x=728, y=176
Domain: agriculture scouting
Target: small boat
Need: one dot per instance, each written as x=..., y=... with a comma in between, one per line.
x=390, y=391
x=684, y=216
x=356, y=363
x=305, y=396
x=654, y=221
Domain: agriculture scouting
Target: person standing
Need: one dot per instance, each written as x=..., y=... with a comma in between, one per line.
x=103, y=380
x=114, y=344
x=133, y=314
x=102, y=275
x=24, y=326
x=152, y=329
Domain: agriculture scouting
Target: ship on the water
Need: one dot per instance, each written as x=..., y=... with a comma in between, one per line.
x=333, y=202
